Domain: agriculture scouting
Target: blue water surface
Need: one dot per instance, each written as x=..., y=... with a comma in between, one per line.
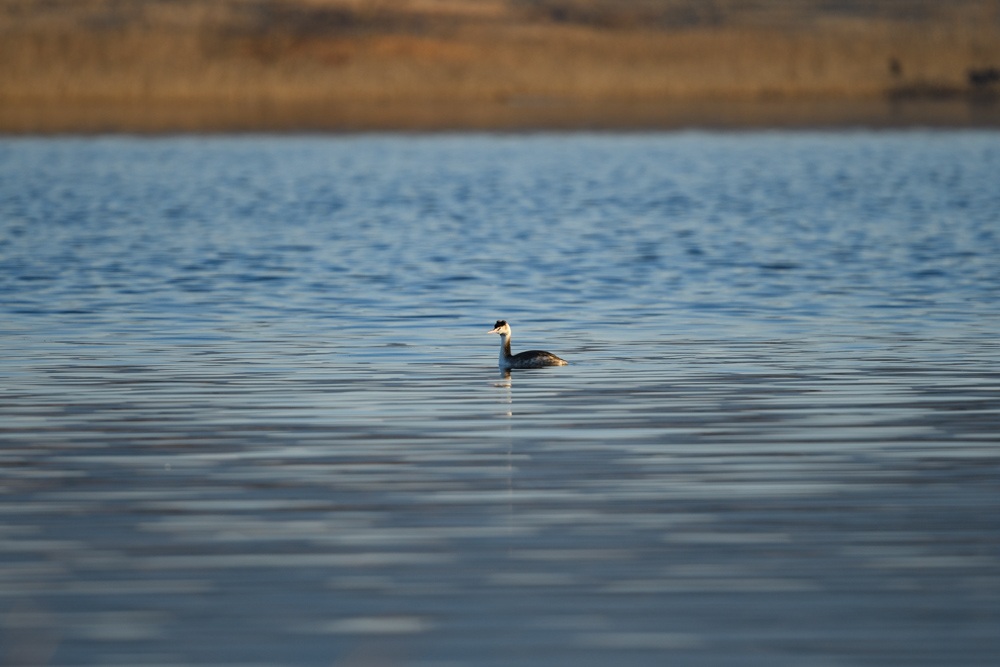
x=250, y=414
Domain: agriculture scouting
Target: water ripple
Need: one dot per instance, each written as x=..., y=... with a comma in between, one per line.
x=249, y=413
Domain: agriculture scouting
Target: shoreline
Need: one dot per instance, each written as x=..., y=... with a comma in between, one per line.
x=194, y=117
x=430, y=65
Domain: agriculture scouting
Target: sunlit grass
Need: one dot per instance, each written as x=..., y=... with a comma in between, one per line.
x=495, y=52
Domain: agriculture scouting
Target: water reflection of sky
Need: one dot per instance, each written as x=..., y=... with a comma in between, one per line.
x=249, y=414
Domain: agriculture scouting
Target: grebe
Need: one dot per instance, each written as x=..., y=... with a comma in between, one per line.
x=529, y=359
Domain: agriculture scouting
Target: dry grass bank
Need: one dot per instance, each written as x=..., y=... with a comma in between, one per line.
x=494, y=58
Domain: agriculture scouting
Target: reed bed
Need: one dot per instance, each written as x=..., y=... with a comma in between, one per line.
x=58, y=56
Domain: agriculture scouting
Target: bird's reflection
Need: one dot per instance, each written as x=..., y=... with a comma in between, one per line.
x=506, y=398
x=504, y=382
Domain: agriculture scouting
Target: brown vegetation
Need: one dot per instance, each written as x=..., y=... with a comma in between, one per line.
x=333, y=63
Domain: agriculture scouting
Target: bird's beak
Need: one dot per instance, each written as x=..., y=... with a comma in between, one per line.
x=493, y=331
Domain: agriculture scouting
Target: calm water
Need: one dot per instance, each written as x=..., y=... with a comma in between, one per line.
x=249, y=413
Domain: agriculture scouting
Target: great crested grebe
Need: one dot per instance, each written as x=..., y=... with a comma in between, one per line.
x=529, y=359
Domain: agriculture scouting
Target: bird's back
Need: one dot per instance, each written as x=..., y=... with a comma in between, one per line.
x=535, y=359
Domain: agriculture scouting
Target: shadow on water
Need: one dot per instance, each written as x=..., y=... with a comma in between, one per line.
x=248, y=414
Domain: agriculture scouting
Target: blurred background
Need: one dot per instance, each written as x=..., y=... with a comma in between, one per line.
x=152, y=65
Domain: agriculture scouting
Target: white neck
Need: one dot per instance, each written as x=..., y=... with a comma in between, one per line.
x=504, y=348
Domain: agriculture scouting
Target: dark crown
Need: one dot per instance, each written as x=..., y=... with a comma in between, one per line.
x=499, y=323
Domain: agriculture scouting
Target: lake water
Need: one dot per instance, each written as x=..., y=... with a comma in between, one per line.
x=250, y=413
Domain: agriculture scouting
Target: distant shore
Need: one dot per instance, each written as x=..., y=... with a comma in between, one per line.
x=193, y=117
x=412, y=65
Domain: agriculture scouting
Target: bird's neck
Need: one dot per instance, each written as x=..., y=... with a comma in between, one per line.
x=505, y=345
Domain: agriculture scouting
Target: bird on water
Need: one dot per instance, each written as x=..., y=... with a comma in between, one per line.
x=529, y=359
